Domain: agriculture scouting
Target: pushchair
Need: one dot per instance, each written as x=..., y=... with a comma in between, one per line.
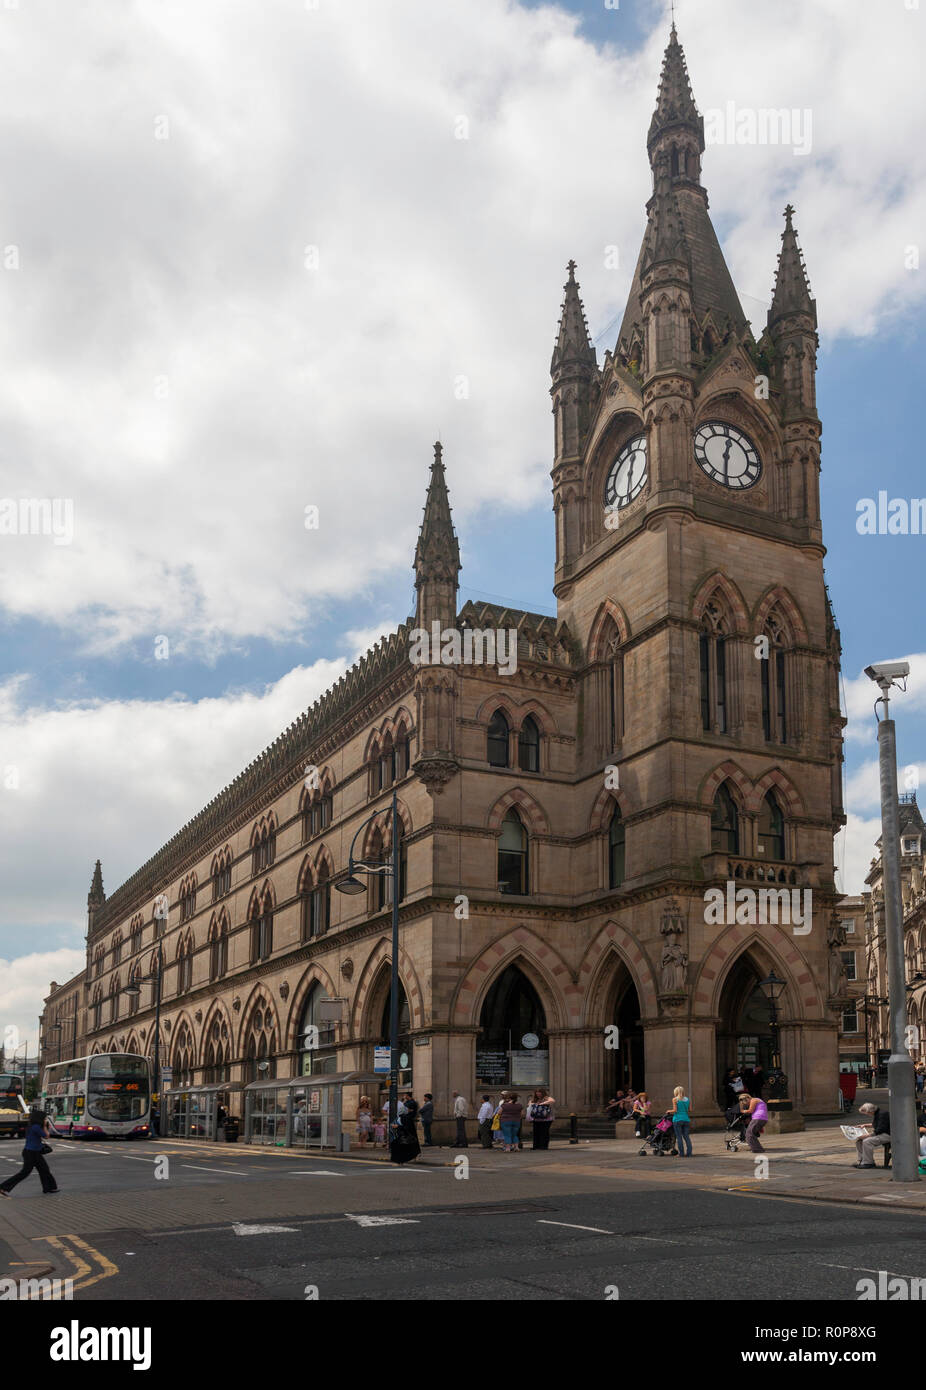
x=661, y=1139
x=736, y=1128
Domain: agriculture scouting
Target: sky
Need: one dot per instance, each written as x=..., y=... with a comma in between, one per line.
x=256, y=259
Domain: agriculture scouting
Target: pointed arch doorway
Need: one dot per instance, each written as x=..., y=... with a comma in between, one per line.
x=513, y=1047
x=625, y=1065
x=744, y=1029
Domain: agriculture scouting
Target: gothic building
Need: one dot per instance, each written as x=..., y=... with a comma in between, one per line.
x=675, y=729
x=913, y=898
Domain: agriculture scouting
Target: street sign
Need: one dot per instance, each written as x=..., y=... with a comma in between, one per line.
x=381, y=1059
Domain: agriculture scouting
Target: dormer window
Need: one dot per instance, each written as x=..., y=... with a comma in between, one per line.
x=911, y=844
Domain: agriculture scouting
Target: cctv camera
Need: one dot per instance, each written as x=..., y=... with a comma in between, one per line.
x=886, y=672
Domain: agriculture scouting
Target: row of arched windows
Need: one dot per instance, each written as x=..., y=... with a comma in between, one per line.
x=714, y=667
x=726, y=826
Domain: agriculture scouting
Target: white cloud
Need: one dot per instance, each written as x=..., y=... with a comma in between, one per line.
x=24, y=983
x=439, y=259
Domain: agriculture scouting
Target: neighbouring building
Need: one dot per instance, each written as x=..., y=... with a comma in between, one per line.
x=568, y=828
x=913, y=892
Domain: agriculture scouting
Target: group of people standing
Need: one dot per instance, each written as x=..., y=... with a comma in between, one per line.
x=499, y=1122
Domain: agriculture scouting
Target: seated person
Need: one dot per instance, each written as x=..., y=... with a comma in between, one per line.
x=879, y=1135
x=615, y=1108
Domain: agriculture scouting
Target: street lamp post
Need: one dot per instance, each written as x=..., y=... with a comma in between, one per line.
x=134, y=990
x=772, y=987
x=353, y=885
x=900, y=1070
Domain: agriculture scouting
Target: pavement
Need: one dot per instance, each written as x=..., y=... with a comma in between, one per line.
x=167, y=1193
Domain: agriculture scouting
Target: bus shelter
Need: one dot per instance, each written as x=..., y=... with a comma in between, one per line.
x=301, y=1111
x=193, y=1112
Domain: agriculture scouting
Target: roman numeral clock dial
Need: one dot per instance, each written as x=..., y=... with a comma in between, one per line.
x=727, y=455
x=627, y=477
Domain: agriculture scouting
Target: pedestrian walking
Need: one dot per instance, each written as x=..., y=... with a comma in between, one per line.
x=757, y=1111
x=484, y=1120
x=540, y=1113
x=879, y=1137
x=33, y=1154
x=681, y=1120
x=511, y=1113
x=364, y=1121
x=460, y=1112
x=426, y=1116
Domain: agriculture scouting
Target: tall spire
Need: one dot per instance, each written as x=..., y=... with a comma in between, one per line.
x=437, y=554
x=573, y=343
x=96, y=897
x=791, y=294
x=676, y=115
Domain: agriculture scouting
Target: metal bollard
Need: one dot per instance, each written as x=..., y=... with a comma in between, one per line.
x=573, y=1128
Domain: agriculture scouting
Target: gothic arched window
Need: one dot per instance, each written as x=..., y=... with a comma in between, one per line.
x=770, y=840
x=529, y=746
x=774, y=682
x=725, y=832
x=498, y=740
x=512, y=856
x=616, y=849
x=261, y=928
x=316, y=1036
x=713, y=669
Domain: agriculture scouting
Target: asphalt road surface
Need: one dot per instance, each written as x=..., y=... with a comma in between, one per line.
x=219, y=1223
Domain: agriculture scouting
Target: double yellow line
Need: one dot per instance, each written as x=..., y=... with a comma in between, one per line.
x=88, y=1265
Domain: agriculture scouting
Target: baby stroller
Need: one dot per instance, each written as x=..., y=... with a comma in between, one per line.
x=736, y=1128
x=662, y=1139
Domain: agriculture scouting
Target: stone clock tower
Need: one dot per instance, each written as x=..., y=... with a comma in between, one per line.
x=689, y=566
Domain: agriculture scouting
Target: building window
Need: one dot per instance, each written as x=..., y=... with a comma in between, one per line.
x=218, y=955
x=498, y=740
x=261, y=933
x=910, y=846
x=265, y=848
x=848, y=960
x=317, y=816
x=713, y=670
x=117, y=950
x=725, y=835
x=770, y=839
x=774, y=683
x=529, y=746
x=316, y=1037
x=401, y=757
x=512, y=855
x=850, y=1021
x=616, y=848
x=848, y=926
x=316, y=909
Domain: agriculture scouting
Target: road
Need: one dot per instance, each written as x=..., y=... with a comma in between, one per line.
x=186, y=1221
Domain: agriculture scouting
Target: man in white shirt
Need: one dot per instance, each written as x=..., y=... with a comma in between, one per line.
x=484, y=1117
x=460, y=1112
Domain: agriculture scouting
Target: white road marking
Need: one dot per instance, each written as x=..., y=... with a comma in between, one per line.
x=573, y=1227
x=241, y=1229
x=313, y=1173
x=202, y=1167
x=382, y=1220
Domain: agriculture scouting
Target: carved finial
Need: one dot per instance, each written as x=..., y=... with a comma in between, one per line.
x=788, y=214
x=438, y=452
x=571, y=267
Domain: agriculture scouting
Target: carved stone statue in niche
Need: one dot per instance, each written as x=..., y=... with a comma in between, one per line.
x=674, y=977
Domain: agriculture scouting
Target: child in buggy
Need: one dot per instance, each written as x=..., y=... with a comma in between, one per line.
x=662, y=1140
x=737, y=1117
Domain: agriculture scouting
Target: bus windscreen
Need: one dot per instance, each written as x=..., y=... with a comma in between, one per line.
x=117, y=1088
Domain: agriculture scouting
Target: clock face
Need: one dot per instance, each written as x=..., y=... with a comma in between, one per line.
x=627, y=477
x=727, y=455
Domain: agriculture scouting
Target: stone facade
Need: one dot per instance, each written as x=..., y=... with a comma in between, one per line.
x=674, y=729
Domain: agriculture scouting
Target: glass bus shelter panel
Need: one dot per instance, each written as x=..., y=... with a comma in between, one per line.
x=193, y=1114
x=268, y=1113
x=317, y=1117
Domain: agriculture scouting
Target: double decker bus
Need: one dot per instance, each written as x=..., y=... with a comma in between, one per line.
x=92, y=1097
x=14, y=1112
